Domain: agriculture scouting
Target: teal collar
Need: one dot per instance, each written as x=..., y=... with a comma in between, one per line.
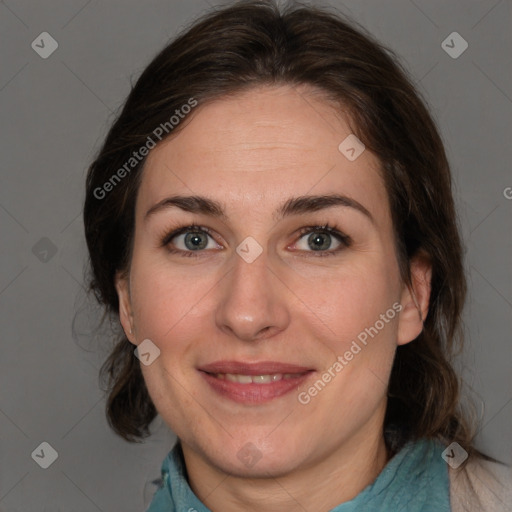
x=414, y=480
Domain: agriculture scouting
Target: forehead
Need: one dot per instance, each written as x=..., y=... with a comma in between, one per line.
x=262, y=146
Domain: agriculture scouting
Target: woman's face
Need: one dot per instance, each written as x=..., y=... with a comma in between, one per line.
x=282, y=274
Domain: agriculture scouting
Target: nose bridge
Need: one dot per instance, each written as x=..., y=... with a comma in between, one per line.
x=249, y=276
x=251, y=304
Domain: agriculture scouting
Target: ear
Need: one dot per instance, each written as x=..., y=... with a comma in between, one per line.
x=125, y=306
x=415, y=300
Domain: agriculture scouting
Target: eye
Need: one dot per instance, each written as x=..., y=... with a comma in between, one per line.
x=322, y=239
x=190, y=239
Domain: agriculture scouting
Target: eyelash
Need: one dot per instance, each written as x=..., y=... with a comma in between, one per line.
x=345, y=240
x=179, y=231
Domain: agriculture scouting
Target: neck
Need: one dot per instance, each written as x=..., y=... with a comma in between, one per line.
x=321, y=485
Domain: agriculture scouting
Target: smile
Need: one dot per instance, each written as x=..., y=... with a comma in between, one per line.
x=256, y=379
x=253, y=383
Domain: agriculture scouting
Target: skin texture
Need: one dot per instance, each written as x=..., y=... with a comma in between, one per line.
x=252, y=152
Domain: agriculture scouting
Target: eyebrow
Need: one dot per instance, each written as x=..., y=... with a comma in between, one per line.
x=293, y=206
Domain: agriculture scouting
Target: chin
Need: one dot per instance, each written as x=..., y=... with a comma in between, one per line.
x=258, y=459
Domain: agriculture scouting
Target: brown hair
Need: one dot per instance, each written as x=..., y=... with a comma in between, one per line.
x=254, y=43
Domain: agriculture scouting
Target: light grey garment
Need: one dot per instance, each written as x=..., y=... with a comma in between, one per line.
x=481, y=486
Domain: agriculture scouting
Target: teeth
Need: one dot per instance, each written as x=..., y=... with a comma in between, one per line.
x=242, y=379
x=255, y=379
x=265, y=379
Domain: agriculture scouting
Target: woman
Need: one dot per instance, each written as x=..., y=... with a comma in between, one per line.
x=271, y=217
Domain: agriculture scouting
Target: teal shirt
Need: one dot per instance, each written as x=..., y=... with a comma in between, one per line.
x=414, y=480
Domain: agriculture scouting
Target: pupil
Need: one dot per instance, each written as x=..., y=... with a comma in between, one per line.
x=319, y=241
x=195, y=241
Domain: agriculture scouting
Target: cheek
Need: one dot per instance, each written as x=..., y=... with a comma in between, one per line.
x=169, y=308
x=167, y=303
x=354, y=298
x=360, y=315
x=360, y=309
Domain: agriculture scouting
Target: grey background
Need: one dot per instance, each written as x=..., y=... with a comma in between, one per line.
x=54, y=113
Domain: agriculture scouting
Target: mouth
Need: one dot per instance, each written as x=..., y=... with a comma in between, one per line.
x=256, y=379
x=253, y=383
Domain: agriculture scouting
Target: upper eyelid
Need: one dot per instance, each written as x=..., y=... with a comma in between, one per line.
x=166, y=239
x=341, y=237
x=328, y=229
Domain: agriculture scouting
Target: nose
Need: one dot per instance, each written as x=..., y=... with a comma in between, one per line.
x=252, y=304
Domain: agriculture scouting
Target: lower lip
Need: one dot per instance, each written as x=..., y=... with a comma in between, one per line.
x=254, y=393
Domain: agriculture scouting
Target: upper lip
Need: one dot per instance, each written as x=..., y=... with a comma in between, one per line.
x=246, y=368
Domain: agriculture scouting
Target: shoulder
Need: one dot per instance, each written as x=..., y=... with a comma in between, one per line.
x=482, y=486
